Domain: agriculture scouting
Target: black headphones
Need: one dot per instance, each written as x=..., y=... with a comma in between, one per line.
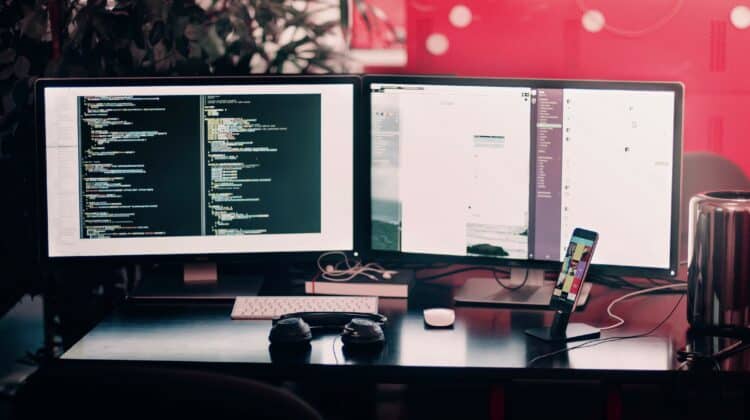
x=359, y=329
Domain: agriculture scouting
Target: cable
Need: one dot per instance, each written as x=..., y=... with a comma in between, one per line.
x=417, y=267
x=613, y=281
x=504, y=286
x=333, y=347
x=493, y=270
x=698, y=359
x=346, y=270
x=620, y=282
x=621, y=321
x=461, y=270
x=598, y=341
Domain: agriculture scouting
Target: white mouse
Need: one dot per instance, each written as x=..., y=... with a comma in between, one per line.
x=439, y=317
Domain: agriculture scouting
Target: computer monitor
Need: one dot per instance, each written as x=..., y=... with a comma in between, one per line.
x=195, y=169
x=501, y=171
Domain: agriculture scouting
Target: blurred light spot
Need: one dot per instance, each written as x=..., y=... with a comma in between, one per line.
x=437, y=44
x=592, y=20
x=740, y=17
x=460, y=16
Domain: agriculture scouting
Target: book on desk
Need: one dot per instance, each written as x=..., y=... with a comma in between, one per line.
x=397, y=287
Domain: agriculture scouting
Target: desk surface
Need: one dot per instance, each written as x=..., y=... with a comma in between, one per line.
x=485, y=343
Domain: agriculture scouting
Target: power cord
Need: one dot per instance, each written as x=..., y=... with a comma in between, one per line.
x=494, y=270
x=619, y=282
x=347, y=269
x=621, y=321
x=598, y=341
x=616, y=282
x=333, y=347
x=516, y=287
x=689, y=358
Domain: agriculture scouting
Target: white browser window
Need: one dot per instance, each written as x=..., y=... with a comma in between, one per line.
x=458, y=149
x=617, y=173
x=509, y=172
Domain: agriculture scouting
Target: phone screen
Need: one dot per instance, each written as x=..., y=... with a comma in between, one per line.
x=574, y=268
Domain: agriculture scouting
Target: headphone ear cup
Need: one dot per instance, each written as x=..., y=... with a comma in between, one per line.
x=361, y=332
x=291, y=331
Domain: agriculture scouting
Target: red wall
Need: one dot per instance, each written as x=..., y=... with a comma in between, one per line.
x=544, y=38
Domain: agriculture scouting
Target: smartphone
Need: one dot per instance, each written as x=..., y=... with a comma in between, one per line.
x=574, y=269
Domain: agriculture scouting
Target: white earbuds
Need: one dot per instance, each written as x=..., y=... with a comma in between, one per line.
x=344, y=270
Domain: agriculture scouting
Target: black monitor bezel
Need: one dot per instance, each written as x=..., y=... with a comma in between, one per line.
x=676, y=87
x=359, y=169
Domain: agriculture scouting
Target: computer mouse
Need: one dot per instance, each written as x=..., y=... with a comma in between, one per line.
x=439, y=317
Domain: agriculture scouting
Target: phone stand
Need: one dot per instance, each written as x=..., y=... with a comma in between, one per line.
x=561, y=330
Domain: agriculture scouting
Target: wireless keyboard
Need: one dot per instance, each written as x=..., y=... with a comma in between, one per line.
x=272, y=307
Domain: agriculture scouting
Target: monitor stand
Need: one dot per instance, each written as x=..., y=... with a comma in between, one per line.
x=195, y=281
x=561, y=330
x=535, y=294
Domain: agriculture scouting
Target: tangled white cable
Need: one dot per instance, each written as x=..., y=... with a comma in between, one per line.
x=346, y=269
x=621, y=321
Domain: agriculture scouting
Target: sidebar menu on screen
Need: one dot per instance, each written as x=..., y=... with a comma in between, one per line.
x=547, y=185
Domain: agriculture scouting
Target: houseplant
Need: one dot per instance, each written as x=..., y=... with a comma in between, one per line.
x=97, y=38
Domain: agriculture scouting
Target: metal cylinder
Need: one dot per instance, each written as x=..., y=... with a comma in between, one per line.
x=719, y=260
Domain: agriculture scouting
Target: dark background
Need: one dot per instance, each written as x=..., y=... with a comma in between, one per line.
x=292, y=198
x=172, y=164
x=18, y=244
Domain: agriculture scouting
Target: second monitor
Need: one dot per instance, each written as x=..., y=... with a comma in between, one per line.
x=488, y=170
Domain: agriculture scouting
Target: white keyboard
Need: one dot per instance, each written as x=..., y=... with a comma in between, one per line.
x=272, y=307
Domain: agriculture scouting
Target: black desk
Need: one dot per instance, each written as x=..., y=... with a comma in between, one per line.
x=486, y=344
x=480, y=364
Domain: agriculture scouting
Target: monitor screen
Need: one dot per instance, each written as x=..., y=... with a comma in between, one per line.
x=508, y=169
x=161, y=167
